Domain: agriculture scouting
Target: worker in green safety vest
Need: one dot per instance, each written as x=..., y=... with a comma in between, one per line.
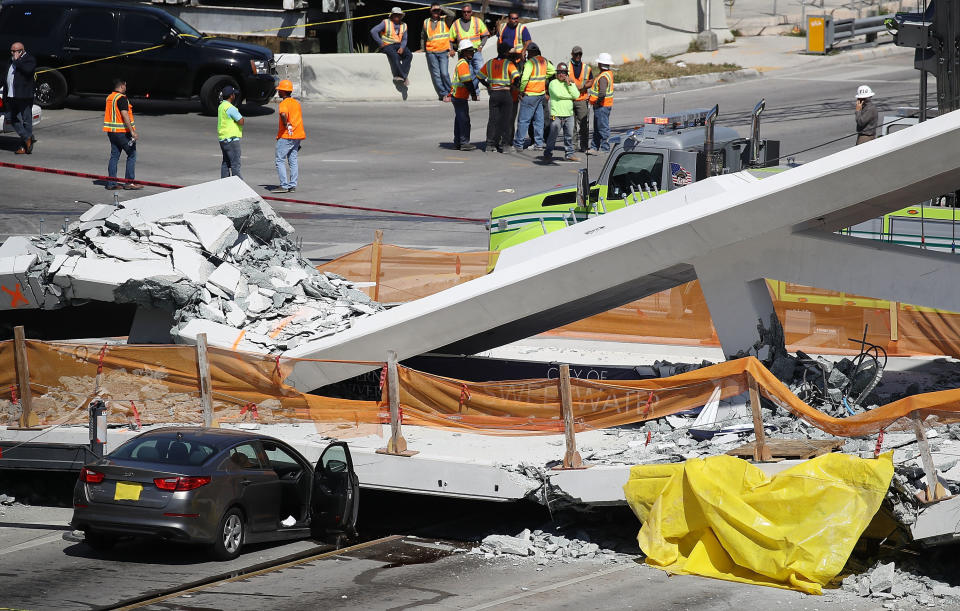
x=229, y=132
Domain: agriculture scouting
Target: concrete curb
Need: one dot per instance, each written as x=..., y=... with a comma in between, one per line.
x=861, y=55
x=691, y=80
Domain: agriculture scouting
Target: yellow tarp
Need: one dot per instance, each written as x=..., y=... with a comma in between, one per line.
x=723, y=517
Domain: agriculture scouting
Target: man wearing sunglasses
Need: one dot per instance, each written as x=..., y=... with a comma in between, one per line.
x=515, y=34
x=470, y=27
x=18, y=96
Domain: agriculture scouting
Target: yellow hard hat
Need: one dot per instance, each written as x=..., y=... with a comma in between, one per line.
x=285, y=85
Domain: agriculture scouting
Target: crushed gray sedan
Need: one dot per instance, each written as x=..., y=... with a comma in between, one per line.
x=219, y=487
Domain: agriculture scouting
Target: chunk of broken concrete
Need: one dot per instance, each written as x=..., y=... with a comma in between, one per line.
x=506, y=544
x=215, y=233
x=226, y=278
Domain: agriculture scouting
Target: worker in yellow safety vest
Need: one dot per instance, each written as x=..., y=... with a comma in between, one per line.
x=122, y=134
x=581, y=75
x=514, y=33
x=391, y=38
x=601, y=98
x=229, y=132
x=470, y=27
x=533, y=89
x=500, y=75
x=435, y=42
x=462, y=91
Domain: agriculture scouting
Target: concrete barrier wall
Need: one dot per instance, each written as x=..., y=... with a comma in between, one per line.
x=626, y=32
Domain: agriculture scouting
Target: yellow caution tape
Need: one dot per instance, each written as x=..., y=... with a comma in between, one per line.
x=286, y=27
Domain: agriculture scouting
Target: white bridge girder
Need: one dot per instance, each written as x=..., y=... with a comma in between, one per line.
x=713, y=229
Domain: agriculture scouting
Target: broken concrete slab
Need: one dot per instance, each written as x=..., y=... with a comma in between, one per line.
x=215, y=233
x=226, y=278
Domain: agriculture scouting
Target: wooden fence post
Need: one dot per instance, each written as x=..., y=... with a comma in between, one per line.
x=761, y=453
x=929, y=469
x=397, y=445
x=203, y=371
x=376, y=253
x=571, y=458
x=894, y=321
x=23, y=376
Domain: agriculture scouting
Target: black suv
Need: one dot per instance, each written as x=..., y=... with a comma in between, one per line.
x=60, y=33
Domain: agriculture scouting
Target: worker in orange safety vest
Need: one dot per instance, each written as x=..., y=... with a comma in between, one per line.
x=601, y=98
x=122, y=134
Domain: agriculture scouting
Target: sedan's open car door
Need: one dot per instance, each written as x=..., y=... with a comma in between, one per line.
x=336, y=492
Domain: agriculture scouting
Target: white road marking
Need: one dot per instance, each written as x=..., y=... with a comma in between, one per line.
x=447, y=162
x=34, y=543
x=552, y=586
x=837, y=79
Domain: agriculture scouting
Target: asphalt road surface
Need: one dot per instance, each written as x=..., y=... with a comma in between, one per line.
x=397, y=156
x=41, y=570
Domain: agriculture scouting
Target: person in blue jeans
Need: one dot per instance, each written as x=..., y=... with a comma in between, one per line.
x=601, y=98
x=121, y=132
x=229, y=133
x=435, y=42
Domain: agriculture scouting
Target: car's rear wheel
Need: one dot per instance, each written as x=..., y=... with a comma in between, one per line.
x=210, y=92
x=51, y=88
x=99, y=541
x=230, y=535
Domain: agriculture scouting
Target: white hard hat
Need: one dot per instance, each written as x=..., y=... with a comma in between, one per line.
x=605, y=59
x=464, y=45
x=396, y=11
x=864, y=91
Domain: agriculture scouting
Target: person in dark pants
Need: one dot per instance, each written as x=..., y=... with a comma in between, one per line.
x=18, y=96
x=500, y=75
x=581, y=75
x=391, y=36
x=122, y=133
x=229, y=132
x=866, y=115
x=462, y=91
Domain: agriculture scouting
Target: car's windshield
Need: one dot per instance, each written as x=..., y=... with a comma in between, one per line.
x=185, y=28
x=168, y=449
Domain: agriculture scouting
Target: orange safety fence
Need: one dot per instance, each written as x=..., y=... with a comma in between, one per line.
x=527, y=406
x=813, y=320
x=162, y=384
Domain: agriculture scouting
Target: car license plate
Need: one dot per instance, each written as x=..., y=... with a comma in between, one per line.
x=127, y=491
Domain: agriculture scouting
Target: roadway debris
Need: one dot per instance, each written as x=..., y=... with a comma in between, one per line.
x=544, y=547
x=908, y=585
x=229, y=262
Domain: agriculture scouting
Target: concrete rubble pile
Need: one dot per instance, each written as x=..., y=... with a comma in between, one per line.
x=231, y=264
x=543, y=548
x=905, y=586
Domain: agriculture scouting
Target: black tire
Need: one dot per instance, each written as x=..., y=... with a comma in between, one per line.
x=210, y=92
x=51, y=88
x=99, y=541
x=230, y=535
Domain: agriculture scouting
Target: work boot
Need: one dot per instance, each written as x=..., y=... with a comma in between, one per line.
x=21, y=151
x=30, y=144
x=132, y=186
x=467, y=147
x=572, y=158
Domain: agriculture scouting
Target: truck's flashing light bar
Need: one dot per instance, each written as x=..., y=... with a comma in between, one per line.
x=680, y=120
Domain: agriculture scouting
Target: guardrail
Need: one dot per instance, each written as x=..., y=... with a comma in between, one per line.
x=823, y=31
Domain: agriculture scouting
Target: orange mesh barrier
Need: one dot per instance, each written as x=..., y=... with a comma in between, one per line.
x=161, y=382
x=404, y=274
x=813, y=319
x=534, y=405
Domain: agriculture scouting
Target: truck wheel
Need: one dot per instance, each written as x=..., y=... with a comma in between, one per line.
x=51, y=88
x=229, y=536
x=210, y=92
